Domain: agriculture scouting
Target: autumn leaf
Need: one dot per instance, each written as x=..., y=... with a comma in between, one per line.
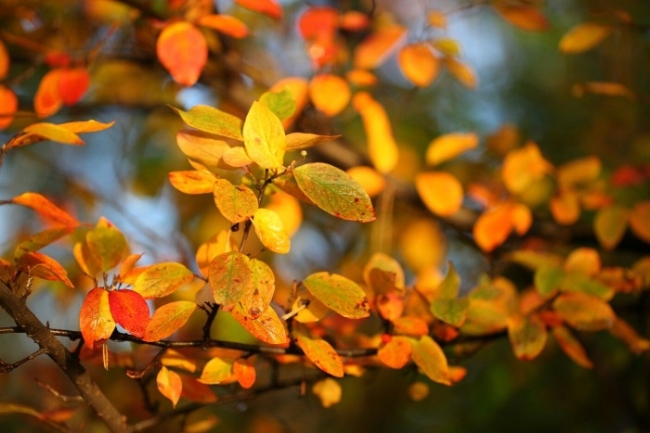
x=73, y=84
x=225, y=24
x=193, y=181
x=441, y=192
x=175, y=359
x=626, y=333
x=461, y=72
x=259, y=293
x=527, y=335
x=449, y=146
x=208, y=250
x=525, y=17
x=267, y=328
x=267, y=7
x=309, y=308
x=376, y=48
x=244, y=372
x=565, y=208
x=418, y=64
x=297, y=88
x=524, y=166
x=609, y=225
x=236, y=203
x=382, y=147
x=372, y=182
x=270, y=231
x=107, y=245
x=95, y=320
x=318, y=22
x=47, y=131
x=431, y=360
x=281, y=103
x=389, y=267
x=202, y=147
x=329, y=93
x=237, y=157
x=183, y=51
x=169, y=384
x=229, y=276
x=571, y=346
x=4, y=61
x=584, y=312
x=264, y=137
x=339, y=293
x=213, y=121
x=328, y=392
x=130, y=310
x=41, y=240
x=450, y=311
x=168, y=319
x=218, y=370
x=396, y=353
x=42, y=266
x=640, y=220
x=578, y=171
x=9, y=104
x=412, y=326
x=334, y=191
x=47, y=99
x=322, y=354
x=196, y=391
x=583, y=37
x=303, y=140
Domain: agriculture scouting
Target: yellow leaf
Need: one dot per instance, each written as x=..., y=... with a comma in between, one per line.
x=270, y=231
x=236, y=203
x=339, y=293
x=207, y=251
x=218, y=370
x=370, y=180
x=311, y=309
x=462, y=72
x=565, y=208
x=640, y=220
x=578, y=171
x=584, y=312
x=302, y=140
x=441, y=192
x=202, y=148
x=328, y=391
x=583, y=37
x=229, y=275
x=446, y=46
x=431, y=360
x=527, y=335
x=288, y=209
x=523, y=167
x=193, y=181
x=382, y=148
x=329, y=93
x=376, y=48
x=449, y=146
x=162, y=279
x=169, y=384
x=259, y=293
x=267, y=328
x=237, y=157
x=418, y=64
x=264, y=137
x=422, y=244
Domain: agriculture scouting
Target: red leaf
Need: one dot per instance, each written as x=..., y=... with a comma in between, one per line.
x=183, y=51
x=95, y=319
x=266, y=7
x=73, y=83
x=318, y=23
x=130, y=310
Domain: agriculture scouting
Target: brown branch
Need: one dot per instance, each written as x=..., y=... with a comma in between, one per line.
x=6, y=368
x=46, y=340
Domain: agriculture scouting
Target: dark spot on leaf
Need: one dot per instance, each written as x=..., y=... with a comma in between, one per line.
x=235, y=227
x=254, y=312
x=356, y=199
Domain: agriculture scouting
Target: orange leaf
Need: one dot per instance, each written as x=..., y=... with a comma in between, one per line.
x=9, y=104
x=41, y=239
x=322, y=354
x=270, y=231
x=202, y=148
x=42, y=266
x=236, y=203
x=266, y=7
x=328, y=391
x=225, y=24
x=229, y=276
x=441, y=192
x=4, y=61
x=172, y=358
x=302, y=140
x=193, y=181
x=396, y=353
x=168, y=319
x=259, y=293
x=267, y=328
x=623, y=331
x=572, y=347
x=218, y=371
x=431, y=360
x=73, y=83
x=196, y=391
x=370, y=180
x=640, y=220
x=418, y=64
x=361, y=77
x=523, y=16
x=48, y=100
x=582, y=170
x=354, y=21
x=449, y=146
x=169, y=384
x=413, y=326
x=95, y=320
x=583, y=37
x=565, y=208
x=130, y=311
x=318, y=23
x=527, y=336
x=609, y=225
x=493, y=227
x=584, y=312
x=339, y=293
x=207, y=251
x=329, y=93
x=382, y=147
x=183, y=51
x=523, y=167
x=46, y=208
x=245, y=373
x=376, y=48
x=462, y=72
x=288, y=209
x=390, y=306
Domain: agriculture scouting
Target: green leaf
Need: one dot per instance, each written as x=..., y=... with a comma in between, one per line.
x=451, y=311
x=335, y=192
x=527, y=335
x=264, y=137
x=322, y=354
x=450, y=286
x=236, y=203
x=212, y=120
x=575, y=282
x=162, y=279
x=610, y=224
x=431, y=360
x=339, y=294
x=548, y=279
x=229, y=275
x=107, y=245
x=281, y=103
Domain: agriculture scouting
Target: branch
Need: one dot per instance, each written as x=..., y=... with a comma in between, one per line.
x=47, y=341
x=6, y=368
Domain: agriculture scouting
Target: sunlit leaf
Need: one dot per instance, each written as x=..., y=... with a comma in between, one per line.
x=168, y=319
x=212, y=120
x=270, y=231
x=236, y=203
x=334, y=191
x=449, y=146
x=329, y=93
x=339, y=293
x=288, y=209
x=376, y=48
x=361, y=77
x=583, y=37
x=302, y=140
x=201, y=147
x=95, y=320
x=41, y=266
x=328, y=392
x=41, y=239
x=451, y=311
x=47, y=99
x=107, y=245
x=237, y=157
x=207, y=251
x=162, y=279
x=297, y=87
x=129, y=310
x=565, y=208
x=525, y=17
x=225, y=24
x=193, y=181
x=609, y=225
x=413, y=326
x=322, y=354
x=218, y=370
x=245, y=373
x=431, y=360
x=267, y=7
x=229, y=275
x=382, y=148
x=73, y=84
x=527, y=335
x=418, y=64
x=281, y=103
x=264, y=137
x=493, y=227
x=318, y=22
x=169, y=384
x=571, y=346
x=311, y=309
x=461, y=72
x=175, y=359
x=183, y=51
x=50, y=131
x=267, y=328
x=83, y=126
x=441, y=192
x=259, y=292
x=396, y=353
x=128, y=263
x=584, y=312
x=9, y=104
x=524, y=166
x=640, y=220
x=372, y=182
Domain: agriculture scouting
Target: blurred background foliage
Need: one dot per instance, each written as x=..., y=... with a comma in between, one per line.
x=122, y=174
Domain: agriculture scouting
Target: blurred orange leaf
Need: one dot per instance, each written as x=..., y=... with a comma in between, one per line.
x=525, y=17
x=169, y=384
x=183, y=51
x=236, y=203
x=46, y=208
x=376, y=48
x=571, y=346
x=95, y=320
x=565, y=208
x=382, y=148
x=193, y=181
x=196, y=391
x=413, y=326
x=441, y=192
x=129, y=310
x=527, y=335
x=168, y=319
x=436, y=18
x=266, y=7
x=229, y=276
x=372, y=182
x=162, y=279
x=461, y=72
x=339, y=293
x=523, y=167
x=322, y=354
x=583, y=37
x=396, y=353
x=361, y=77
x=640, y=220
x=431, y=360
x=584, y=312
x=494, y=226
x=48, y=100
x=245, y=372
x=9, y=104
x=225, y=24
x=449, y=146
x=353, y=21
x=270, y=231
x=73, y=84
x=4, y=61
x=390, y=306
x=303, y=140
x=212, y=120
x=329, y=93
x=318, y=23
x=578, y=171
x=418, y=64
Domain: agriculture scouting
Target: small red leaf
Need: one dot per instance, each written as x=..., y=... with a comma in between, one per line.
x=73, y=83
x=130, y=311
